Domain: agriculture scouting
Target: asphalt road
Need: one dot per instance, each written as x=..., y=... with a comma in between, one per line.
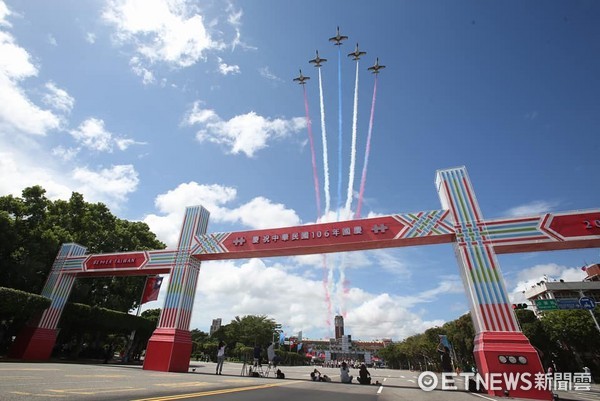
x=70, y=381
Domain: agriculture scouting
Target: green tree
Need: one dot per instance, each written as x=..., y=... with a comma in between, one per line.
x=32, y=228
x=250, y=330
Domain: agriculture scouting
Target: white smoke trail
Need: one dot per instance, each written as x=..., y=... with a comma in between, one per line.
x=353, y=148
x=325, y=157
x=343, y=283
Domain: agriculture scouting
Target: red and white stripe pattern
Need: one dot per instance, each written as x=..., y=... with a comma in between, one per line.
x=478, y=264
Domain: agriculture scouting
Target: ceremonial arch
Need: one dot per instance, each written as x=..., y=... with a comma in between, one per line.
x=460, y=222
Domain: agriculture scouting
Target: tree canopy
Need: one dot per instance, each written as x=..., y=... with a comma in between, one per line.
x=32, y=228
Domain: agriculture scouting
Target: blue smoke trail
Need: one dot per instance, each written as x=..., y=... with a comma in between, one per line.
x=339, y=189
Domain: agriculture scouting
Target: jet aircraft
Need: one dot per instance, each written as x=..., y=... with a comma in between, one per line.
x=376, y=67
x=356, y=54
x=338, y=38
x=317, y=60
x=301, y=78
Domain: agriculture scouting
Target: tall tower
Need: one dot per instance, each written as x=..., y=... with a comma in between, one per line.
x=339, y=327
x=216, y=325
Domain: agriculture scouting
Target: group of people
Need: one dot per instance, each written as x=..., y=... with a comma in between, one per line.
x=364, y=376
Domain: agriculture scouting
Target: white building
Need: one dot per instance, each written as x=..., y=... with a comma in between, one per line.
x=563, y=290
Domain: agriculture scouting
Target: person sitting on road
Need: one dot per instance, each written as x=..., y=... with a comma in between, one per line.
x=315, y=375
x=364, y=377
x=280, y=374
x=345, y=376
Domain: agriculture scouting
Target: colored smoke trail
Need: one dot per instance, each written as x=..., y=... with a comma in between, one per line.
x=339, y=188
x=363, y=178
x=353, y=147
x=312, y=152
x=326, y=271
x=325, y=157
x=343, y=283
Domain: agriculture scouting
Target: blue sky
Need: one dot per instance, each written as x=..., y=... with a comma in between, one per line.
x=150, y=106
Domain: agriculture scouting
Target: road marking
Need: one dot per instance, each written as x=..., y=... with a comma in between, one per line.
x=37, y=395
x=385, y=378
x=380, y=390
x=216, y=392
x=483, y=396
x=186, y=384
x=97, y=375
x=19, y=369
x=410, y=380
x=239, y=381
x=93, y=391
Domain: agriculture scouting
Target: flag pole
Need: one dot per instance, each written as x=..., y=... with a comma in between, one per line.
x=139, y=308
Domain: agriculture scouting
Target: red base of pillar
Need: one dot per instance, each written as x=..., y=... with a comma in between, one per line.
x=491, y=349
x=33, y=343
x=169, y=350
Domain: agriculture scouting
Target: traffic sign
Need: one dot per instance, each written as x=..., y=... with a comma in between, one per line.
x=569, y=303
x=587, y=303
x=546, y=304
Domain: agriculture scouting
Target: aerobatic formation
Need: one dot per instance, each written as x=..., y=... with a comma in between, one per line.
x=341, y=212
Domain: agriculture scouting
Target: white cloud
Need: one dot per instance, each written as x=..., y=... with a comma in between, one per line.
x=262, y=213
x=108, y=185
x=167, y=31
x=527, y=278
x=25, y=170
x=4, y=12
x=35, y=167
x=258, y=213
x=266, y=73
x=226, y=69
x=17, y=112
x=90, y=38
x=532, y=208
x=58, y=98
x=141, y=71
x=92, y=134
x=66, y=154
x=246, y=133
x=52, y=40
x=15, y=62
x=254, y=288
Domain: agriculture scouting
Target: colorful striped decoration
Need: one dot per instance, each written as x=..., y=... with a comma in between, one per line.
x=179, y=300
x=59, y=283
x=424, y=224
x=477, y=260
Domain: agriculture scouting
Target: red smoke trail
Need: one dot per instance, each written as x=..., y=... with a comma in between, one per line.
x=363, y=179
x=326, y=288
x=312, y=152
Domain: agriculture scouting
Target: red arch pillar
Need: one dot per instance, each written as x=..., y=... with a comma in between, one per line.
x=497, y=333
x=170, y=347
x=37, y=339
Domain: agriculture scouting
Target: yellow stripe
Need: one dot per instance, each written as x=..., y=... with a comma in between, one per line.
x=216, y=392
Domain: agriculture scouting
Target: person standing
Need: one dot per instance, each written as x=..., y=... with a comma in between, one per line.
x=220, y=357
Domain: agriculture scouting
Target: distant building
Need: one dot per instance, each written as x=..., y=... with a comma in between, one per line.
x=216, y=325
x=588, y=287
x=339, y=327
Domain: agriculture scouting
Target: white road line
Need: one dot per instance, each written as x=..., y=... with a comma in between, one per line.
x=380, y=390
x=483, y=396
x=410, y=380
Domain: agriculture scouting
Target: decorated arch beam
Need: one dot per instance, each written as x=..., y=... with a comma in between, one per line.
x=569, y=230
x=476, y=242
